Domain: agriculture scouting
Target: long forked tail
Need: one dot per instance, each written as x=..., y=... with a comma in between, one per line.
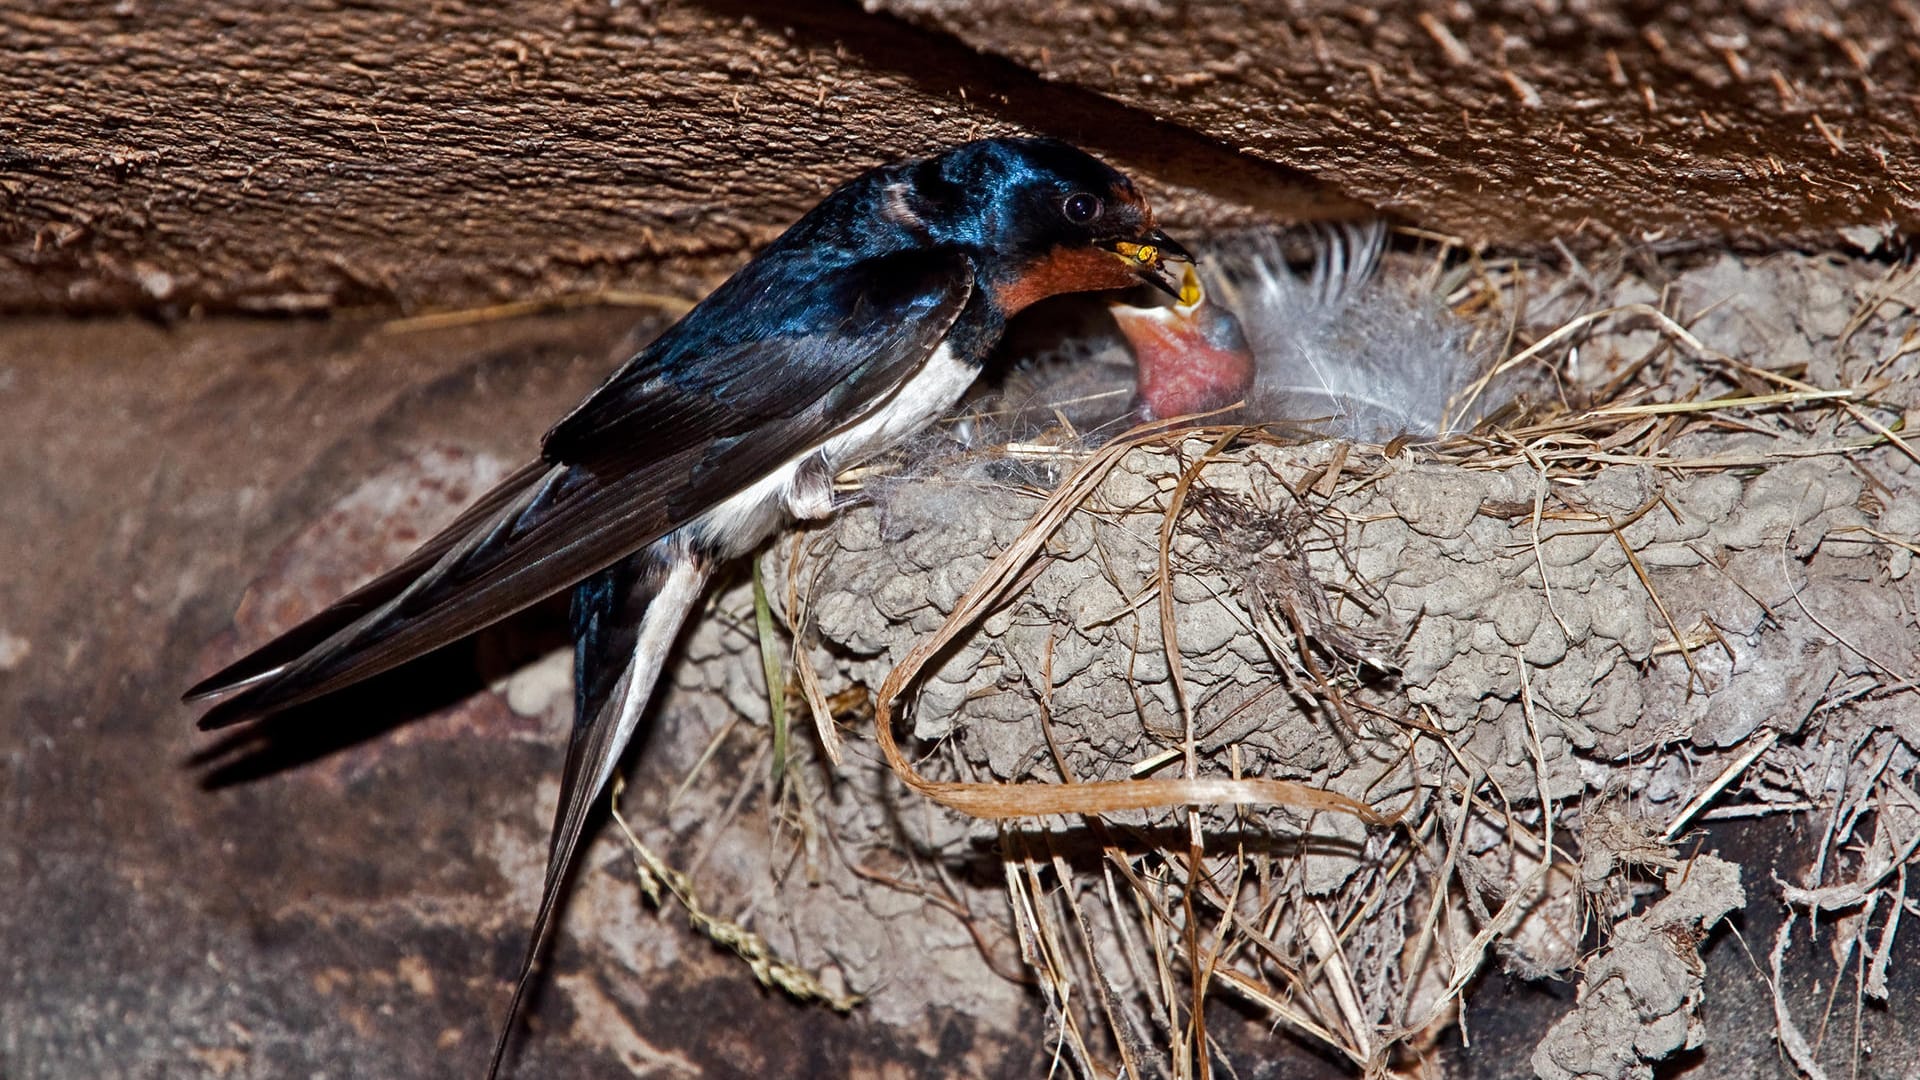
x=668, y=580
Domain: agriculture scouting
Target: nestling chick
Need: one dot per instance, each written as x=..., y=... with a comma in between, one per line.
x=1335, y=350
x=1190, y=357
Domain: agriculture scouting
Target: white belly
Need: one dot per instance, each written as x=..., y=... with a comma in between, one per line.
x=740, y=523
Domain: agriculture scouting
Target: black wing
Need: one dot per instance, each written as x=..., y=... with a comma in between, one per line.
x=290, y=646
x=674, y=433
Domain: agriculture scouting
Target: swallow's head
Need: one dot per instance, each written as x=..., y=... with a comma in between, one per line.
x=1192, y=356
x=1046, y=219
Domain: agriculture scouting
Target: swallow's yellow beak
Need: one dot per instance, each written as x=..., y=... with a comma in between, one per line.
x=1190, y=291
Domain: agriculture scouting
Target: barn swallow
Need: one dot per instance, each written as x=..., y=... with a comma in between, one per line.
x=858, y=326
x=1190, y=357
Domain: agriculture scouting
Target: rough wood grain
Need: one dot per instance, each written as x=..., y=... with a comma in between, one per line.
x=1510, y=121
x=238, y=154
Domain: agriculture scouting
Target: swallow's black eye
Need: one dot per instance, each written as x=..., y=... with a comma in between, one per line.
x=1081, y=207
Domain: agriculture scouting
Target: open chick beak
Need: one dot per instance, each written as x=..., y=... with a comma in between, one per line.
x=1148, y=256
x=1190, y=358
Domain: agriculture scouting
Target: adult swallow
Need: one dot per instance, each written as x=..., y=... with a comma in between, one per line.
x=862, y=323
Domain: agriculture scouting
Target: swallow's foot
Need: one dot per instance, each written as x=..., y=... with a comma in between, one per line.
x=810, y=498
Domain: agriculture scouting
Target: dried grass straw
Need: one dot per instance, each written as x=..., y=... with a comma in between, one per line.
x=1000, y=583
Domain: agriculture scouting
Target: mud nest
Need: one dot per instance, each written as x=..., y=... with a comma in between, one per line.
x=1667, y=594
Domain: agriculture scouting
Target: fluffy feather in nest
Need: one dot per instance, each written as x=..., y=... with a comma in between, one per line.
x=1335, y=349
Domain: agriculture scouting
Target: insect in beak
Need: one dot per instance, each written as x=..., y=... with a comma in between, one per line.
x=1148, y=256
